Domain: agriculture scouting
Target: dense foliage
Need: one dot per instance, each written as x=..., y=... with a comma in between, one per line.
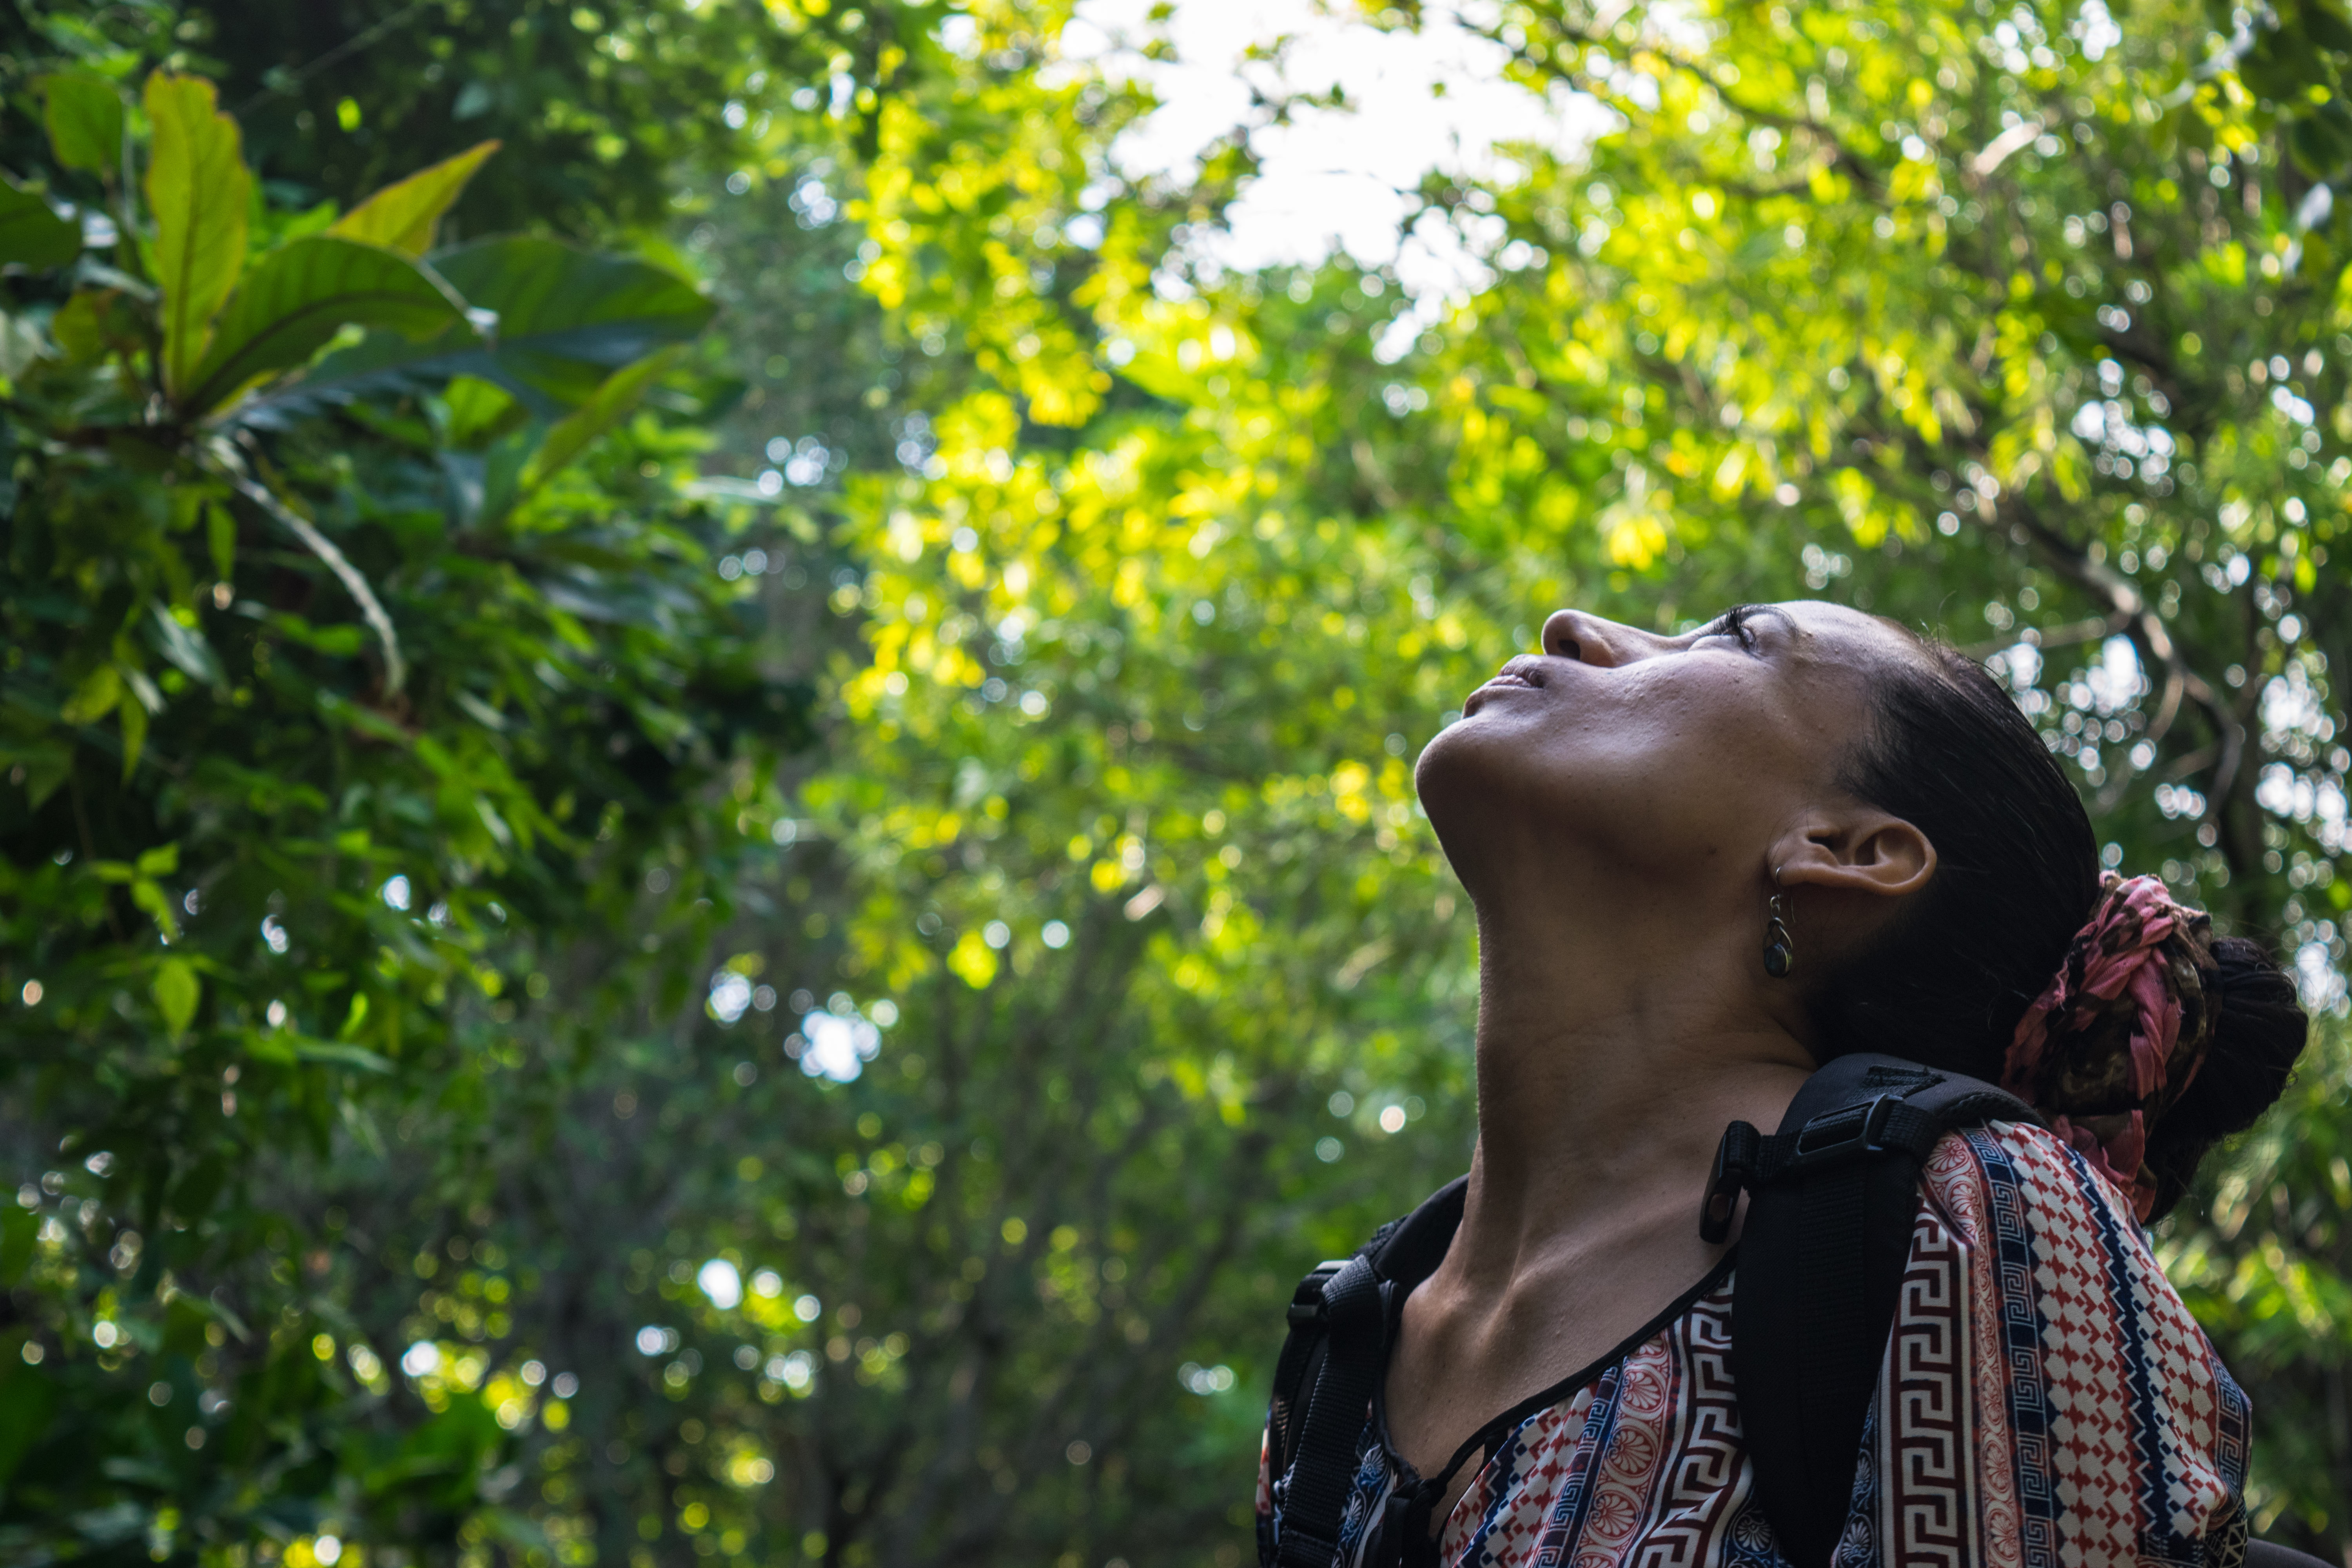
x=330, y=719
x=485, y=1089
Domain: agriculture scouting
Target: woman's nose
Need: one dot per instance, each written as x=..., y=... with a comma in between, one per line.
x=1588, y=640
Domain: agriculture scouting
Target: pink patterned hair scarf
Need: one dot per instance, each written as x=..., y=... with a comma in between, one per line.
x=2120, y=1032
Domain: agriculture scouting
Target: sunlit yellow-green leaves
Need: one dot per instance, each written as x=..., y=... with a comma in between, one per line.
x=2015, y=331
x=197, y=188
x=1124, y=647
x=403, y=215
x=177, y=991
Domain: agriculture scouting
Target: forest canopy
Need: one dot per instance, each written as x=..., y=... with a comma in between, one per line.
x=708, y=846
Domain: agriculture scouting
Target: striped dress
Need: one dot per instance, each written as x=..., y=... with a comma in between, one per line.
x=2046, y=1401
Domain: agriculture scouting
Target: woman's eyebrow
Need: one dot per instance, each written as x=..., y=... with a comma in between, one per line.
x=1739, y=613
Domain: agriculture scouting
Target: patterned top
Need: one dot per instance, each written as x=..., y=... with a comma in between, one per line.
x=2046, y=1401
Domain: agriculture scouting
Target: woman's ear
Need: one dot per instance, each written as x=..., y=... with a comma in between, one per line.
x=1861, y=851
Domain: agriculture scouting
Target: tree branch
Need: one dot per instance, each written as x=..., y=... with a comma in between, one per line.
x=395, y=670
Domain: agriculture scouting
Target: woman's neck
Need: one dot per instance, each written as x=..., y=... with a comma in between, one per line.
x=1614, y=1044
x=1617, y=1035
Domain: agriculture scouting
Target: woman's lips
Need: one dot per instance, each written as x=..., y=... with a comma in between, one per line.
x=1509, y=679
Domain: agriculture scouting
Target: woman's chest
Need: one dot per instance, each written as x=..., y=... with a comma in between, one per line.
x=1646, y=1455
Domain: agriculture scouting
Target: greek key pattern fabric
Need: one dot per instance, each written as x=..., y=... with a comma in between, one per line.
x=2046, y=1402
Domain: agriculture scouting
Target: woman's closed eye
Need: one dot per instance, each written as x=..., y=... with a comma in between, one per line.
x=1737, y=623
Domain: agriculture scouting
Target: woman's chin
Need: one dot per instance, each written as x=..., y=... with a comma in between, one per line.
x=1462, y=764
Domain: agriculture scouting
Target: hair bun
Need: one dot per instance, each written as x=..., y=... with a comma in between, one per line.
x=2259, y=1030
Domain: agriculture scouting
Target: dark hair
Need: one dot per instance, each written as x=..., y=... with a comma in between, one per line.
x=2017, y=874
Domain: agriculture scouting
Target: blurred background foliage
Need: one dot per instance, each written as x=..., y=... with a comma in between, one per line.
x=808, y=991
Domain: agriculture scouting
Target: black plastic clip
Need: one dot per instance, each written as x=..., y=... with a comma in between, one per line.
x=1835, y=1137
x=1735, y=1166
x=1307, y=1302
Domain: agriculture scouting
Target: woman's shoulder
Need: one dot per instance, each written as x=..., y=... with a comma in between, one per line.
x=2052, y=1242
x=2015, y=1173
x=2098, y=1411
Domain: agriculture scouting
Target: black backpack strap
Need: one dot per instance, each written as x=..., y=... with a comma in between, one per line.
x=1831, y=1198
x=1302, y=1358
x=1331, y=1363
x=1354, y=1326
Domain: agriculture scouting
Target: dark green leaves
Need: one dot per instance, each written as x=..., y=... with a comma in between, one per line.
x=564, y=321
x=27, y=1401
x=31, y=235
x=298, y=296
x=182, y=643
x=82, y=111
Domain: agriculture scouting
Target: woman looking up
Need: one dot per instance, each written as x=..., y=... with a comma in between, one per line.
x=1702, y=866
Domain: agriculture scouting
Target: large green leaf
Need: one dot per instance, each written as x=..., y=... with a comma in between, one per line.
x=185, y=646
x=177, y=991
x=566, y=320
x=28, y=1400
x=31, y=234
x=82, y=111
x=402, y=216
x=490, y=484
x=301, y=294
x=197, y=188
x=622, y=392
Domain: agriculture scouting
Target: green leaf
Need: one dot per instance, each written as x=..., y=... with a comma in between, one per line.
x=220, y=542
x=93, y=322
x=566, y=320
x=132, y=717
x=487, y=484
x=18, y=1229
x=621, y=392
x=198, y=190
x=95, y=698
x=28, y=1400
x=185, y=646
x=160, y=861
x=2322, y=139
x=2324, y=27
x=402, y=216
x=21, y=343
x=46, y=767
x=273, y=1047
x=151, y=897
x=301, y=294
x=340, y=1054
x=178, y=992
x=479, y=409
x=31, y=235
x=83, y=113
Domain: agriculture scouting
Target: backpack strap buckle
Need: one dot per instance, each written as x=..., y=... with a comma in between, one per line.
x=1834, y=1137
x=1307, y=1302
x=1735, y=1160
x=1747, y=1159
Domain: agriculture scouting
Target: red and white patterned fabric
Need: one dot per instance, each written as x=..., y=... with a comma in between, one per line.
x=2046, y=1402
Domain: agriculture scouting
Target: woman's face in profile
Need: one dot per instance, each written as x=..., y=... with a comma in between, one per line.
x=1652, y=752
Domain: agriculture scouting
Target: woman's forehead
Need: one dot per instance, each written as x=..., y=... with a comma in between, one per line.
x=1840, y=634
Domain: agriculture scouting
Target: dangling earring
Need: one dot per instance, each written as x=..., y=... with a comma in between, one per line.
x=1780, y=947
